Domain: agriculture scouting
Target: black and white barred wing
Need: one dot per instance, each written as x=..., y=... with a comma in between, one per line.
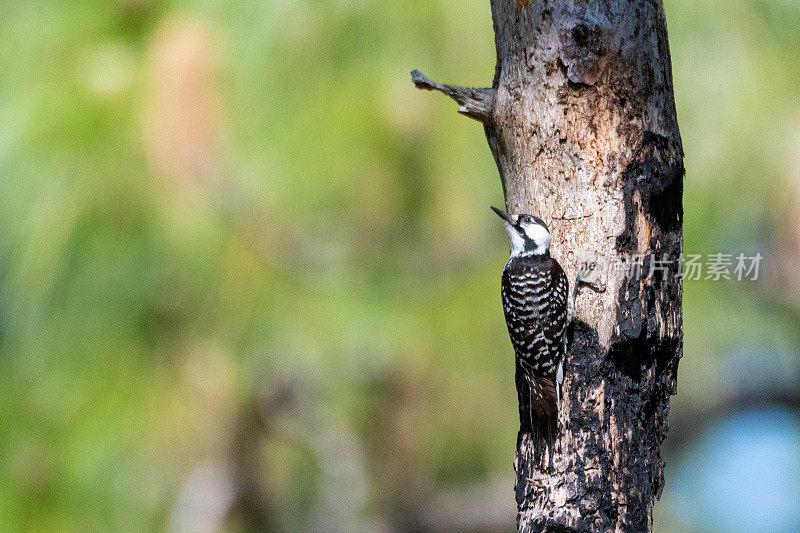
x=535, y=304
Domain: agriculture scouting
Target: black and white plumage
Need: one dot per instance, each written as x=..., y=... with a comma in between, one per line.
x=535, y=294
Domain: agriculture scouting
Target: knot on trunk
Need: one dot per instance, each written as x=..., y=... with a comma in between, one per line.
x=584, y=48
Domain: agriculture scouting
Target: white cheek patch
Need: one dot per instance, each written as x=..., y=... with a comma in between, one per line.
x=539, y=235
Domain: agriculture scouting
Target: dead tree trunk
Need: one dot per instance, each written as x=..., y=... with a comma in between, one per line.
x=581, y=121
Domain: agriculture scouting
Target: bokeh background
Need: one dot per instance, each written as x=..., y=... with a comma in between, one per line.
x=249, y=277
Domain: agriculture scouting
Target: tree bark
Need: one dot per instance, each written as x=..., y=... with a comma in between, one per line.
x=581, y=121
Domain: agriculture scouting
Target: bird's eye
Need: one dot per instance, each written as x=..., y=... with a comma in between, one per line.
x=526, y=219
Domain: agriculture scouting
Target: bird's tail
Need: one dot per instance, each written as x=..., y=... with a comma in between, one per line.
x=538, y=403
x=544, y=398
x=542, y=414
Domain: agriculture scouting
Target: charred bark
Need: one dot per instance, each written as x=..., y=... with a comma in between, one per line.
x=581, y=121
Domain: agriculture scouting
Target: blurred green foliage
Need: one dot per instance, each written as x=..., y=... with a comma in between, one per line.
x=208, y=207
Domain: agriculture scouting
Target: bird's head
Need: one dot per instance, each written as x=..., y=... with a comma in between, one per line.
x=528, y=234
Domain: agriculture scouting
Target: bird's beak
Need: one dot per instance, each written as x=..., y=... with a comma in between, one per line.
x=505, y=216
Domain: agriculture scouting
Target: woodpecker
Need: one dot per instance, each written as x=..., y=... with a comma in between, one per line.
x=538, y=308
